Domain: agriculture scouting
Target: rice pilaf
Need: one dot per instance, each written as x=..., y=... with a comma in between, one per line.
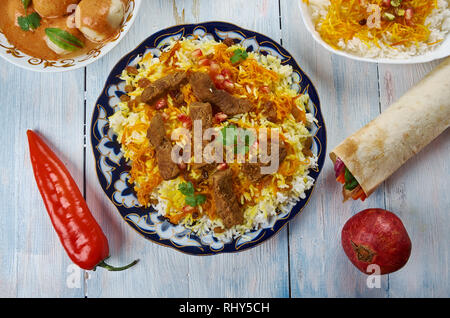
x=394, y=29
x=257, y=78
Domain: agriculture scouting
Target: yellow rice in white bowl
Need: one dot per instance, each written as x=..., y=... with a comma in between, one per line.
x=350, y=28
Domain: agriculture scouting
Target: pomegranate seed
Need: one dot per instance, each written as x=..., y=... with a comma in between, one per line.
x=222, y=166
x=197, y=53
x=220, y=78
x=228, y=84
x=186, y=120
x=182, y=117
x=204, y=62
x=386, y=3
x=220, y=117
x=226, y=73
x=188, y=209
x=161, y=103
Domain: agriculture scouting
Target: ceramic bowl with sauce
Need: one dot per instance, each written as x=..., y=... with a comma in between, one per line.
x=31, y=49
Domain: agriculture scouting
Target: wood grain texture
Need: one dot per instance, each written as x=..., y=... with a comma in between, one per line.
x=163, y=272
x=418, y=194
x=32, y=260
x=349, y=98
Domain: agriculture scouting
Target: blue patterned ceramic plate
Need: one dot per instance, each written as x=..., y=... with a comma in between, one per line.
x=112, y=169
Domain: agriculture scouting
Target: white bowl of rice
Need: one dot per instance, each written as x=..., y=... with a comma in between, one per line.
x=337, y=34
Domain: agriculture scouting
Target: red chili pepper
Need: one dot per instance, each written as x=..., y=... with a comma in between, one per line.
x=78, y=231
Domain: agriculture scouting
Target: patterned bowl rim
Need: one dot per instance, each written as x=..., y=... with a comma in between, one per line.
x=69, y=64
x=319, y=136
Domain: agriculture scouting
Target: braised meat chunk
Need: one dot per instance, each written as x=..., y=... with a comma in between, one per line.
x=203, y=112
x=204, y=89
x=229, y=104
x=167, y=168
x=226, y=201
x=270, y=111
x=253, y=170
x=202, y=86
x=178, y=98
x=163, y=86
x=228, y=42
x=156, y=132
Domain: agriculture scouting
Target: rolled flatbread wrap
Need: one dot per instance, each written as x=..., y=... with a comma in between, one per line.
x=377, y=150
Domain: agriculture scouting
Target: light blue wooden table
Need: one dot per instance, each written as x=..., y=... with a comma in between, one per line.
x=304, y=260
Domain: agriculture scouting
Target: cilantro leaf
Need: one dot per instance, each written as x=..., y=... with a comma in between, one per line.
x=31, y=21
x=190, y=200
x=246, y=138
x=240, y=138
x=232, y=131
x=23, y=23
x=200, y=199
x=186, y=188
x=35, y=20
x=195, y=200
x=26, y=3
x=238, y=55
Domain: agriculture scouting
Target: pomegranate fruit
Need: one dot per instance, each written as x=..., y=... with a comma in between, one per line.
x=376, y=236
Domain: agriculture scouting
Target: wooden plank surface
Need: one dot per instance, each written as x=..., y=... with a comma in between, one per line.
x=418, y=194
x=304, y=260
x=349, y=98
x=32, y=260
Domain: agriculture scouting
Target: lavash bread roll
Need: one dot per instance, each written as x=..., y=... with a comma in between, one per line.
x=377, y=150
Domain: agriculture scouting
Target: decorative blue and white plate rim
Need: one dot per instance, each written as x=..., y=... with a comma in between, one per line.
x=112, y=169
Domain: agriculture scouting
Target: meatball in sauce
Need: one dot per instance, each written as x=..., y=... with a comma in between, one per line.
x=98, y=21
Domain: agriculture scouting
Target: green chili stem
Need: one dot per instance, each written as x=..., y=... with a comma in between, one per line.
x=116, y=269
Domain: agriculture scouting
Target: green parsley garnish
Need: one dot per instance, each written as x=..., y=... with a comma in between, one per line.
x=229, y=142
x=64, y=39
x=350, y=181
x=239, y=55
x=191, y=199
x=26, y=3
x=31, y=21
x=242, y=139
